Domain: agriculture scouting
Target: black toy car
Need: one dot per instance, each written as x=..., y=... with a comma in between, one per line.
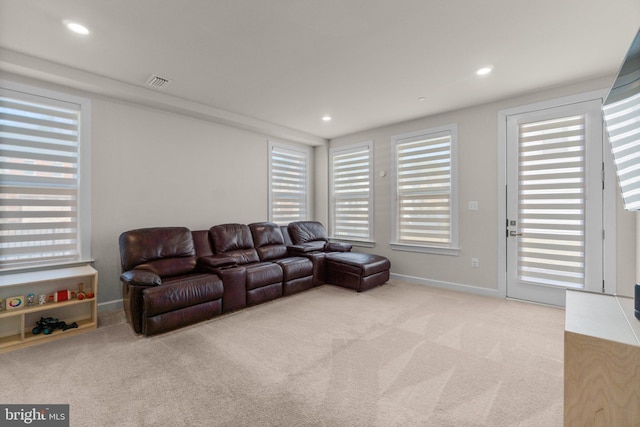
x=47, y=325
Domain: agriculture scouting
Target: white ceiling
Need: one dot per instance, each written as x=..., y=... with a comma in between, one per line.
x=364, y=62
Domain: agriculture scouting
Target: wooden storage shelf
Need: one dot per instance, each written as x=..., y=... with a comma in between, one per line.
x=16, y=325
x=601, y=361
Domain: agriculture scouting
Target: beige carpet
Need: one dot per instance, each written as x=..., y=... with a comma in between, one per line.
x=398, y=355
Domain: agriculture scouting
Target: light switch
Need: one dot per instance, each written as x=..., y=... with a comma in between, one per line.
x=473, y=205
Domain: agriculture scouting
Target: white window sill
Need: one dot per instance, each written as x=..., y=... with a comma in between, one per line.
x=46, y=267
x=425, y=249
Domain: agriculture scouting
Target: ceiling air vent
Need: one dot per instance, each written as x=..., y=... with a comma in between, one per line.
x=158, y=82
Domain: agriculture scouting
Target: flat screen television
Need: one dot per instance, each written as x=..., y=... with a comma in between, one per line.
x=621, y=111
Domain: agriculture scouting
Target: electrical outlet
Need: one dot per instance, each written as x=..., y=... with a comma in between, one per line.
x=475, y=262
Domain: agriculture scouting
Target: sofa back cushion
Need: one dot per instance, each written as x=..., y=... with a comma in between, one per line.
x=165, y=251
x=201, y=243
x=234, y=240
x=307, y=231
x=268, y=240
x=284, y=229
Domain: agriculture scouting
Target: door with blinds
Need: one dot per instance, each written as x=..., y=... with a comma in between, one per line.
x=554, y=226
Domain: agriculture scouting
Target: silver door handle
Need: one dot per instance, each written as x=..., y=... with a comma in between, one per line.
x=514, y=233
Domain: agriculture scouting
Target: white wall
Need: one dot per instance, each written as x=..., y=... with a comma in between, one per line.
x=151, y=168
x=156, y=168
x=478, y=181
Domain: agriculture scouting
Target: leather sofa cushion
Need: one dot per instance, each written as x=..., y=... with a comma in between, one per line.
x=213, y=262
x=265, y=234
x=141, y=277
x=284, y=229
x=268, y=240
x=201, y=243
x=230, y=237
x=234, y=240
x=337, y=247
x=307, y=231
x=357, y=263
x=263, y=274
x=307, y=247
x=295, y=267
x=170, y=266
x=181, y=292
x=145, y=245
x=271, y=253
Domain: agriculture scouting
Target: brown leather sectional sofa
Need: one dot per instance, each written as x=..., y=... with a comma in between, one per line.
x=172, y=276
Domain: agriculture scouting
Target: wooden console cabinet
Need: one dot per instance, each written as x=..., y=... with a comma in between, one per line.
x=601, y=361
x=16, y=325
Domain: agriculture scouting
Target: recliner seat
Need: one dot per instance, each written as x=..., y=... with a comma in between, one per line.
x=161, y=288
x=297, y=271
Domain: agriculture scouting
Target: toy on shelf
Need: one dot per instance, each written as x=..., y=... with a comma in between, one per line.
x=31, y=300
x=15, y=303
x=47, y=325
x=82, y=294
x=61, y=296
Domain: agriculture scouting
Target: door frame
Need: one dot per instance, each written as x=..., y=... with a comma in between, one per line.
x=609, y=197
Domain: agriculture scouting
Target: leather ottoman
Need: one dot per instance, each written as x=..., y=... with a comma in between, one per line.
x=356, y=270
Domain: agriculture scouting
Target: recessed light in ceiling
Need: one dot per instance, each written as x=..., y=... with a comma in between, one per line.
x=422, y=99
x=76, y=27
x=326, y=118
x=484, y=70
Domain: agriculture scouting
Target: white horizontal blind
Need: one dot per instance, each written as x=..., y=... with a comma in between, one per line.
x=424, y=190
x=289, y=185
x=623, y=127
x=39, y=144
x=551, y=207
x=351, y=177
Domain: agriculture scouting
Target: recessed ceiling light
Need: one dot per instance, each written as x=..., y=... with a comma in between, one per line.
x=326, y=118
x=484, y=70
x=422, y=99
x=76, y=27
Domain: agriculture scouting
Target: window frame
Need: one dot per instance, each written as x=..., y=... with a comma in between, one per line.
x=294, y=149
x=453, y=248
x=345, y=149
x=44, y=96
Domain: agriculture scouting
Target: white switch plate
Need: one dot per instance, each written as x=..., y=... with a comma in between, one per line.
x=473, y=205
x=475, y=262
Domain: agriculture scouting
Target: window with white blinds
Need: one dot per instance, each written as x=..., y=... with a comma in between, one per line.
x=42, y=216
x=289, y=183
x=551, y=202
x=351, y=195
x=425, y=189
x=623, y=127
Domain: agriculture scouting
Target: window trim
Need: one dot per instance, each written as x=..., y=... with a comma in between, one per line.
x=306, y=151
x=84, y=170
x=453, y=249
x=343, y=150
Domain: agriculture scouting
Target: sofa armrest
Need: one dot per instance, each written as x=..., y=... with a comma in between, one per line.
x=301, y=249
x=337, y=247
x=141, y=277
x=214, y=262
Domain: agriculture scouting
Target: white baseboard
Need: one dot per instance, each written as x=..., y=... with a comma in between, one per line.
x=110, y=305
x=448, y=285
x=118, y=305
